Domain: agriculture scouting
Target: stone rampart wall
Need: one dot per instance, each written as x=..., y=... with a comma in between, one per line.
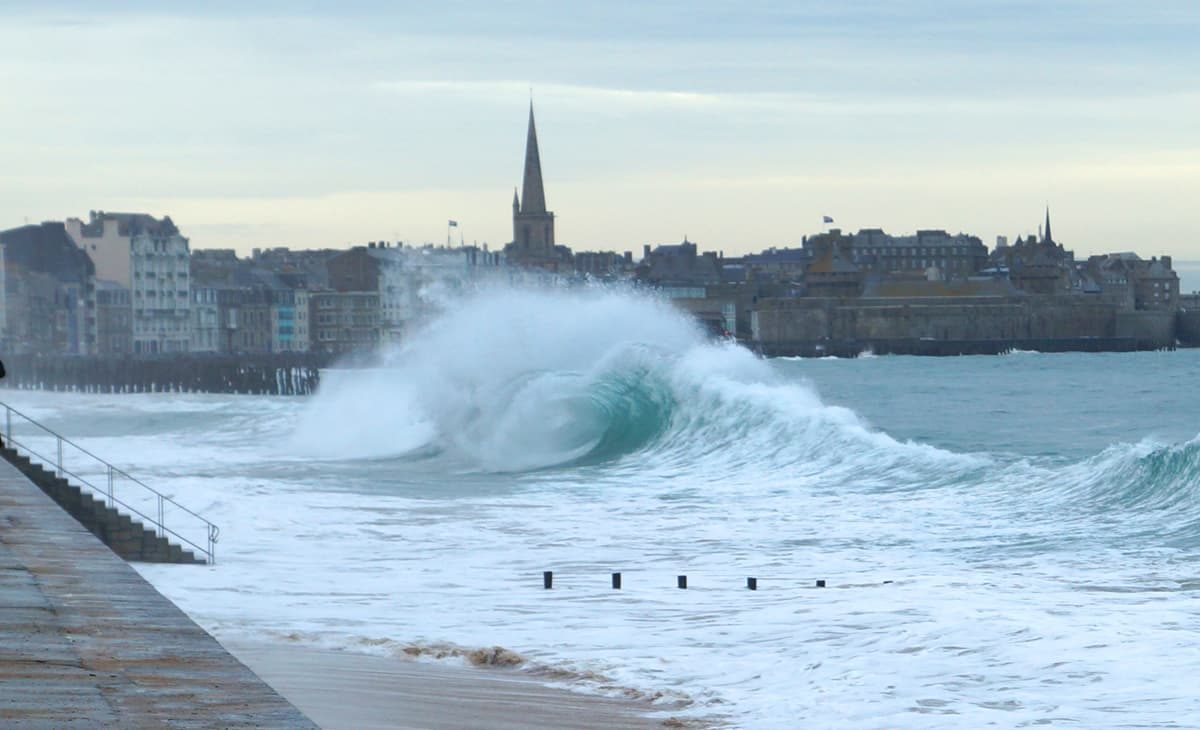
x=1187, y=326
x=961, y=320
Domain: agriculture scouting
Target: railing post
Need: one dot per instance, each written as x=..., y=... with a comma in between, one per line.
x=212, y=544
x=60, y=469
x=110, y=485
x=8, y=425
x=162, y=529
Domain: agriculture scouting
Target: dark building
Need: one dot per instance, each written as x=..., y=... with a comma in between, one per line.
x=776, y=264
x=678, y=266
x=354, y=270
x=1037, y=266
x=603, y=264
x=49, y=291
x=833, y=272
x=954, y=257
x=114, y=319
x=1133, y=282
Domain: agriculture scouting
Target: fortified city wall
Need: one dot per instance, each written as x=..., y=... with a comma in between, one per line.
x=778, y=323
x=1187, y=327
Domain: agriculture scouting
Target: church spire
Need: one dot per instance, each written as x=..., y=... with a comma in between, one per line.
x=1047, y=237
x=533, y=196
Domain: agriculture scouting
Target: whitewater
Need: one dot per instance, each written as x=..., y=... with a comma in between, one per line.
x=1006, y=541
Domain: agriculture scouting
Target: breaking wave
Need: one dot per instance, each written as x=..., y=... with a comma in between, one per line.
x=522, y=380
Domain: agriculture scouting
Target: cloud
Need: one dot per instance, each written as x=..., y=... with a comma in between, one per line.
x=249, y=118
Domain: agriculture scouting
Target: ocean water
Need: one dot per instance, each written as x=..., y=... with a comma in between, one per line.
x=1007, y=541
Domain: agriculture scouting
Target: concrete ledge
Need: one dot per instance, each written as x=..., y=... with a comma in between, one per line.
x=86, y=642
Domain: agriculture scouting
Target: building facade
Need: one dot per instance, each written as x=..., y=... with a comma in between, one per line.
x=953, y=257
x=161, y=290
x=149, y=257
x=342, y=322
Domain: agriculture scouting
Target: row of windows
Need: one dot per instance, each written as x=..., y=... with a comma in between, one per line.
x=347, y=335
x=161, y=250
x=181, y=294
x=947, y=264
x=182, y=274
x=165, y=326
x=922, y=250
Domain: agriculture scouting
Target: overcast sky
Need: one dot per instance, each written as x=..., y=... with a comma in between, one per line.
x=738, y=124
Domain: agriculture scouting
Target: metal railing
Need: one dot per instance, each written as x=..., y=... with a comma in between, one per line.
x=147, y=498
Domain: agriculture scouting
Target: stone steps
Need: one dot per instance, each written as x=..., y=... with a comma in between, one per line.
x=125, y=536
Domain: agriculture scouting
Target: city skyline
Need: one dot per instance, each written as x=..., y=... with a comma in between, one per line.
x=739, y=129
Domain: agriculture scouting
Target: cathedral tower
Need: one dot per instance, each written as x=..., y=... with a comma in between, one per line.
x=533, y=225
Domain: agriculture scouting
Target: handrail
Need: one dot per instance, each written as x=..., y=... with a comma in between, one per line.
x=212, y=532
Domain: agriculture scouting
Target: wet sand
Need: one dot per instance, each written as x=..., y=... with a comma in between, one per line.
x=342, y=690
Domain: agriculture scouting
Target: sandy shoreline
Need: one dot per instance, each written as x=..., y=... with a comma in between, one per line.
x=343, y=690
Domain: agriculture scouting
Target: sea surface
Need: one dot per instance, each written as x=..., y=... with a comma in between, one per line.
x=1007, y=541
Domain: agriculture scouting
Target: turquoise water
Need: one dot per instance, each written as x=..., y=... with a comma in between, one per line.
x=1008, y=541
x=1060, y=406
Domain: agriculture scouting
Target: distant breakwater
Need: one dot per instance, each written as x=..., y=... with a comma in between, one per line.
x=256, y=374
x=948, y=348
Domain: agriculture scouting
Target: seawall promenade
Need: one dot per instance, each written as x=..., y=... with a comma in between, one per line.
x=86, y=642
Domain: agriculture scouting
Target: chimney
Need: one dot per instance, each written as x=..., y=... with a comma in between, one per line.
x=1166, y=261
x=646, y=251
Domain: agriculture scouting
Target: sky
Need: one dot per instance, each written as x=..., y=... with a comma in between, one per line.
x=738, y=125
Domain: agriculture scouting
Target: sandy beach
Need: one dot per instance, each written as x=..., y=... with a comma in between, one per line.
x=346, y=691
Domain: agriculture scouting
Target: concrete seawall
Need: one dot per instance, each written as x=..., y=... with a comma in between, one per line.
x=86, y=642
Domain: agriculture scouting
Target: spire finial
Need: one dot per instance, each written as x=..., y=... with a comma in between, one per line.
x=1048, y=237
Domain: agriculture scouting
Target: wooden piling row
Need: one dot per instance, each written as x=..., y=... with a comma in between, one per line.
x=260, y=374
x=681, y=581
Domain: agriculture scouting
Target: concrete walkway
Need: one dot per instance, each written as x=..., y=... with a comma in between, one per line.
x=86, y=642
